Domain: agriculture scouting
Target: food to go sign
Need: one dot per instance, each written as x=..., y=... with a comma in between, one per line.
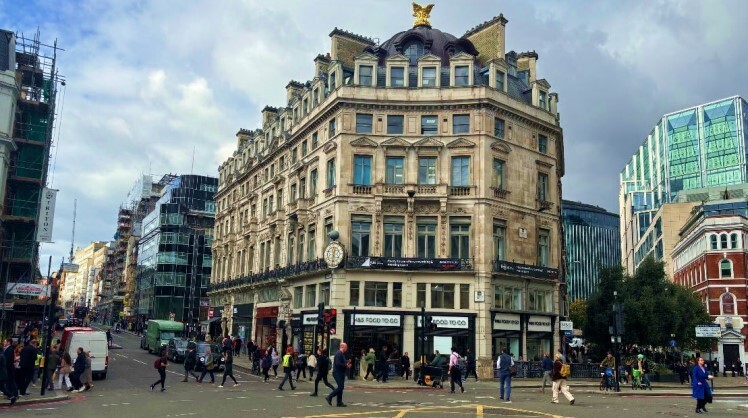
x=377, y=320
x=451, y=322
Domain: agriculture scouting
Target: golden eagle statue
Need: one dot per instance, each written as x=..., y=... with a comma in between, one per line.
x=422, y=14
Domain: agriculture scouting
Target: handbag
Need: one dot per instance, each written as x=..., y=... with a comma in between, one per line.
x=512, y=370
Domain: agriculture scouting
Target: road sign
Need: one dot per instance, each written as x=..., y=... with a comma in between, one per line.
x=566, y=325
x=708, y=331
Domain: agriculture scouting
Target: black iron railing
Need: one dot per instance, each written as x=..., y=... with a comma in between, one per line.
x=297, y=269
x=534, y=369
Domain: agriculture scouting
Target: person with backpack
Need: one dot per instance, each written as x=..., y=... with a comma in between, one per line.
x=456, y=366
x=323, y=367
x=505, y=365
x=301, y=364
x=266, y=363
x=207, y=367
x=160, y=365
x=287, y=369
x=190, y=363
x=228, y=370
x=561, y=372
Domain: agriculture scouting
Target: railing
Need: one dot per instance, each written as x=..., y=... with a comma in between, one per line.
x=500, y=193
x=534, y=369
x=459, y=190
x=427, y=189
x=544, y=204
x=393, y=189
x=361, y=189
x=297, y=269
x=405, y=263
x=329, y=191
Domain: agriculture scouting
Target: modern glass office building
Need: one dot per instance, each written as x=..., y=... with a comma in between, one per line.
x=592, y=241
x=699, y=147
x=174, y=253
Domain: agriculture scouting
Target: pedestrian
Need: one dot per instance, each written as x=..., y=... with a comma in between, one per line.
x=109, y=337
x=250, y=348
x=160, y=365
x=547, y=364
x=79, y=367
x=311, y=364
x=190, y=362
x=53, y=360
x=38, y=363
x=559, y=381
x=237, y=346
x=405, y=366
x=301, y=365
x=384, y=368
x=207, y=366
x=455, y=370
x=339, y=368
x=470, y=365
x=9, y=386
x=323, y=368
x=700, y=389
x=370, y=360
x=63, y=375
x=226, y=344
x=228, y=369
x=287, y=368
x=27, y=361
x=276, y=362
x=505, y=364
x=266, y=363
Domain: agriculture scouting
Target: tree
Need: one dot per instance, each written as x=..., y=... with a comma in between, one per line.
x=578, y=313
x=600, y=308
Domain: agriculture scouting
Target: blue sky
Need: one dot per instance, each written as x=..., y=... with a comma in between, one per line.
x=148, y=81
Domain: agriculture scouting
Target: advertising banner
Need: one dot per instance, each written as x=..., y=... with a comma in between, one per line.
x=46, y=215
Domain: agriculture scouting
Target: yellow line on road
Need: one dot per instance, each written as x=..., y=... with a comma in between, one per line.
x=479, y=411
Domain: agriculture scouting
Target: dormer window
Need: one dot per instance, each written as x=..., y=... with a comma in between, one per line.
x=462, y=75
x=500, y=80
x=428, y=77
x=365, y=75
x=413, y=50
x=397, y=77
x=543, y=100
x=332, y=81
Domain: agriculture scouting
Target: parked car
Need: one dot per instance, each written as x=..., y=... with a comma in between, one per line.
x=177, y=348
x=215, y=350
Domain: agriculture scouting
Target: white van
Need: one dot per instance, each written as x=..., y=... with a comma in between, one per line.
x=96, y=343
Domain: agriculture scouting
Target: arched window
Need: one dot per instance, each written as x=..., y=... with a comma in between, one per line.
x=713, y=239
x=734, y=240
x=725, y=269
x=413, y=50
x=723, y=241
x=727, y=302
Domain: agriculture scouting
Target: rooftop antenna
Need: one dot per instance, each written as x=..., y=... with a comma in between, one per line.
x=72, y=240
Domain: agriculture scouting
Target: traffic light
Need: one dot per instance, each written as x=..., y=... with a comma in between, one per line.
x=330, y=317
x=430, y=324
x=321, y=315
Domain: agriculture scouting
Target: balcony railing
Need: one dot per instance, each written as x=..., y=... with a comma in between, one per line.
x=500, y=193
x=404, y=263
x=544, y=205
x=397, y=189
x=329, y=192
x=361, y=189
x=459, y=190
x=426, y=189
x=294, y=270
x=526, y=270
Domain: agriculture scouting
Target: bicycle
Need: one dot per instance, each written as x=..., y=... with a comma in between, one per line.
x=640, y=381
x=606, y=381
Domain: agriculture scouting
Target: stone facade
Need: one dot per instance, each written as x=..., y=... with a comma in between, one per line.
x=445, y=197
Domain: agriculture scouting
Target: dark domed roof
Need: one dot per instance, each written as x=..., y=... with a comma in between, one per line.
x=434, y=42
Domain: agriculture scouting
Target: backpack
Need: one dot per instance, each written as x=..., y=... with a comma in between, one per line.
x=157, y=363
x=565, y=370
x=461, y=363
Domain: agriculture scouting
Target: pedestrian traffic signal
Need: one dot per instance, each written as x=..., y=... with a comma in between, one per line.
x=330, y=317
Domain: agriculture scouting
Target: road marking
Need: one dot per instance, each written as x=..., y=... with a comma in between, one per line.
x=121, y=355
x=479, y=411
x=136, y=360
x=41, y=409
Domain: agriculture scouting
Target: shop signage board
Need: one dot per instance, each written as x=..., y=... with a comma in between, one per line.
x=506, y=322
x=69, y=268
x=566, y=325
x=385, y=263
x=27, y=289
x=537, y=323
x=517, y=269
x=708, y=331
x=310, y=319
x=373, y=320
x=451, y=322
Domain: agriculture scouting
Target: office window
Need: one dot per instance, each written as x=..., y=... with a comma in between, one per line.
x=375, y=294
x=725, y=269
x=498, y=128
x=429, y=125
x=365, y=75
x=333, y=81
x=544, y=241
x=442, y=296
x=393, y=236
x=543, y=144
x=324, y=293
x=543, y=103
x=395, y=124
x=500, y=80
x=311, y=295
x=498, y=174
x=426, y=237
x=397, y=294
x=363, y=123
x=427, y=170
x=462, y=75
x=315, y=140
x=298, y=296
x=353, y=293
x=542, y=193
x=397, y=77
x=271, y=199
x=460, y=171
x=304, y=149
x=460, y=124
x=313, y=183
x=331, y=173
x=459, y=237
x=360, y=235
x=311, y=244
x=505, y=297
x=362, y=170
x=331, y=126
x=302, y=188
x=420, y=295
x=428, y=77
x=464, y=296
x=394, y=174
x=328, y=229
x=291, y=245
x=293, y=192
x=300, y=249
x=539, y=300
x=280, y=199
x=499, y=240
x=265, y=207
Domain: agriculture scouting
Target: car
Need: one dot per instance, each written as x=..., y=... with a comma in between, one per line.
x=177, y=348
x=215, y=351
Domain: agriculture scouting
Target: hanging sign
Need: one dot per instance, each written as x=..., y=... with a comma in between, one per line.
x=46, y=215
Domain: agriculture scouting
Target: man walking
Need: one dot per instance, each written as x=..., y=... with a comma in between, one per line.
x=455, y=371
x=323, y=367
x=504, y=363
x=190, y=361
x=287, y=369
x=547, y=371
x=9, y=387
x=559, y=382
x=26, y=366
x=78, y=368
x=339, y=368
x=51, y=366
x=470, y=365
x=384, y=368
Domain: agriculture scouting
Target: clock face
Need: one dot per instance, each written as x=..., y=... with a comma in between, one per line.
x=333, y=254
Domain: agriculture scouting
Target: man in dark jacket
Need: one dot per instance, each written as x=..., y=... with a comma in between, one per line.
x=9, y=386
x=470, y=364
x=28, y=359
x=190, y=361
x=547, y=371
x=384, y=368
x=79, y=366
x=339, y=368
x=51, y=366
x=323, y=367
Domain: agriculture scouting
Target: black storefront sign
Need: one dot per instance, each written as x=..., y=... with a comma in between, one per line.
x=518, y=269
x=439, y=264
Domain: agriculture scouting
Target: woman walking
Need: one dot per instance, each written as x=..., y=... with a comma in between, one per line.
x=228, y=370
x=276, y=362
x=370, y=359
x=700, y=386
x=64, y=375
x=160, y=365
x=266, y=363
x=559, y=382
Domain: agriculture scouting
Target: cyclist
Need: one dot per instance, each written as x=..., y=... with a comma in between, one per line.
x=609, y=363
x=643, y=367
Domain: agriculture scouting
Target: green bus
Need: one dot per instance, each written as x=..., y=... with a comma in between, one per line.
x=159, y=332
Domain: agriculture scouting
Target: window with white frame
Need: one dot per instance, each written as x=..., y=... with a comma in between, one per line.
x=727, y=304
x=428, y=77
x=397, y=76
x=725, y=269
x=365, y=77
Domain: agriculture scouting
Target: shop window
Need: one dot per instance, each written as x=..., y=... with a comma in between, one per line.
x=353, y=293
x=420, y=295
x=464, y=296
x=442, y=296
x=727, y=302
x=397, y=295
x=506, y=297
x=298, y=296
x=364, y=123
x=725, y=269
x=459, y=230
x=395, y=170
x=426, y=240
x=362, y=170
x=395, y=124
x=324, y=293
x=360, y=235
x=393, y=236
x=427, y=170
x=499, y=239
x=375, y=294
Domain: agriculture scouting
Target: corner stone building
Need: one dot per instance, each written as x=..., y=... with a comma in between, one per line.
x=439, y=161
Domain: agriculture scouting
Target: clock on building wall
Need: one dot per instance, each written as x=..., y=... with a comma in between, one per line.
x=333, y=254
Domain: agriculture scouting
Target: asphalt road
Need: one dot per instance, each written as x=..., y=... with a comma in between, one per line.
x=126, y=393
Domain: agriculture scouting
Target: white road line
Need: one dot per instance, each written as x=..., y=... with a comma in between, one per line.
x=121, y=355
x=141, y=362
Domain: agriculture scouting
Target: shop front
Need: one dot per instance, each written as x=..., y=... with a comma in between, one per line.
x=507, y=332
x=305, y=334
x=241, y=321
x=539, y=336
x=451, y=331
x=371, y=329
x=266, y=323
